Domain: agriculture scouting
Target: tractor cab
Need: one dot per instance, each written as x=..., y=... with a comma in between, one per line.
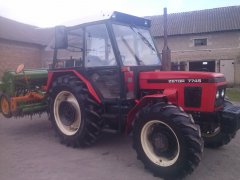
x=105, y=51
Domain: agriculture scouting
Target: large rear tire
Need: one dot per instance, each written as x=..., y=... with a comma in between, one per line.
x=74, y=114
x=167, y=140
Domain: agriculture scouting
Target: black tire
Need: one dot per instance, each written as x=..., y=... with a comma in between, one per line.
x=75, y=115
x=173, y=146
x=5, y=106
x=218, y=137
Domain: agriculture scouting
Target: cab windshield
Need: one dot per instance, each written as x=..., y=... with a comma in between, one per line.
x=135, y=45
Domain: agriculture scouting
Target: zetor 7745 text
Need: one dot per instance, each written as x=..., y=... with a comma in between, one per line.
x=106, y=75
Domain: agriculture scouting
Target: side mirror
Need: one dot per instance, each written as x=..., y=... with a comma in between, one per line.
x=61, y=39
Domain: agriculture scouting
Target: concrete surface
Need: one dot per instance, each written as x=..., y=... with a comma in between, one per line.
x=29, y=150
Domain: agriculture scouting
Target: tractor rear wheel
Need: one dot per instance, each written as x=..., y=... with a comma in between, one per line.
x=5, y=106
x=167, y=140
x=74, y=114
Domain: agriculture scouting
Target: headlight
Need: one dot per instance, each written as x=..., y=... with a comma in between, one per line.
x=222, y=93
x=217, y=94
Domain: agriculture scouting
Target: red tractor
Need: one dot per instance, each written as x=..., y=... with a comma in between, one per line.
x=106, y=76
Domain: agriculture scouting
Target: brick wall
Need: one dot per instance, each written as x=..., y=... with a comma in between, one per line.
x=220, y=46
x=47, y=57
x=14, y=53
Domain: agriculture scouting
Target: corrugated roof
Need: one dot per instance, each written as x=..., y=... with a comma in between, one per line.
x=16, y=31
x=202, y=21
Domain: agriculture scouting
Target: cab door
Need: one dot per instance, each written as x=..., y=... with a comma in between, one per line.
x=100, y=62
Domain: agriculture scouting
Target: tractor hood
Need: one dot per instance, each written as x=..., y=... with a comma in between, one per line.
x=181, y=77
x=190, y=90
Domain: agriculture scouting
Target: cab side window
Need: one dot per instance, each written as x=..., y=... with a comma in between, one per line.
x=99, y=51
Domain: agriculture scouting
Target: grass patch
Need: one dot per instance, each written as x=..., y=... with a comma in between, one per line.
x=233, y=94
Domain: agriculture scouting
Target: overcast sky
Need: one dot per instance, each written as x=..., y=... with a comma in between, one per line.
x=46, y=13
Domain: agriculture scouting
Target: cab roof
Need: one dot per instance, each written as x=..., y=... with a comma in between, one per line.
x=114, y=17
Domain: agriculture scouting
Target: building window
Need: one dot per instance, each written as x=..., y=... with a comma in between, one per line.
x=200, y=42
x=174, y=66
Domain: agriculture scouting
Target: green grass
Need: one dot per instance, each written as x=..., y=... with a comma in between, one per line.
x=233, y=94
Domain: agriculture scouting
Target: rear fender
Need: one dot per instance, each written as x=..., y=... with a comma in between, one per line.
x=56, y=73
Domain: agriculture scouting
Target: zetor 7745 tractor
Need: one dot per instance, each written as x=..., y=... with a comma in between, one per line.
x=106, y=76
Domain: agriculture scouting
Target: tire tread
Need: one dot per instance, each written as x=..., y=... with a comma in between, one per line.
x=91, y=131
x=183, y=123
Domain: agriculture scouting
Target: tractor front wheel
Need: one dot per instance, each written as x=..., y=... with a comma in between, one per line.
x=216, y=137
x=167, y=141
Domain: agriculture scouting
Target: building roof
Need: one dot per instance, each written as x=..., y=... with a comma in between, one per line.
x=195, y=22
x=16, y=31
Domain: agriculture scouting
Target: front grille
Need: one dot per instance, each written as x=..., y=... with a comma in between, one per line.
x=192, y=96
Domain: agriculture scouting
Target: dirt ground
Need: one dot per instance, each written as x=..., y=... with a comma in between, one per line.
x=29, y=150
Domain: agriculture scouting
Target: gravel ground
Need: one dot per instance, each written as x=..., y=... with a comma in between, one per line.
x=29, y=150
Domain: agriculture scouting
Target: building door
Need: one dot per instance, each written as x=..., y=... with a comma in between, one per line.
x=227, y=68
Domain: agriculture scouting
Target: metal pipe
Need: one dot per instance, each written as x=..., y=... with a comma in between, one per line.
x=166, y=52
